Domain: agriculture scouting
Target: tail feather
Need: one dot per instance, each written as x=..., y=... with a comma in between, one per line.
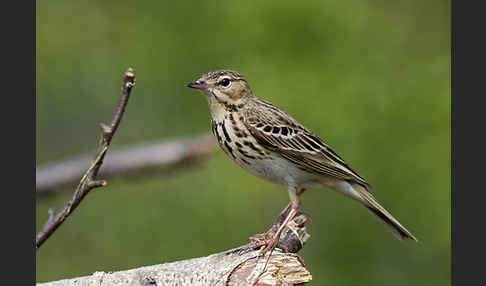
x=398, y=230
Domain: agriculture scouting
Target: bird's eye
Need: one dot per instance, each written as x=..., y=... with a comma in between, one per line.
x=225, y=82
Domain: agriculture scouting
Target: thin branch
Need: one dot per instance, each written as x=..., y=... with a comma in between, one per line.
x=228, y=268
x=88, y=181
x=132, y=160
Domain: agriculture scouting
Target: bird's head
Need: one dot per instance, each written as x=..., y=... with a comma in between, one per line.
x=226, y=87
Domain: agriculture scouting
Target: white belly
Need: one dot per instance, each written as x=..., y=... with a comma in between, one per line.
x=280, y=171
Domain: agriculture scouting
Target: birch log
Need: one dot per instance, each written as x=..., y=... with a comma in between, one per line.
x=228, y=268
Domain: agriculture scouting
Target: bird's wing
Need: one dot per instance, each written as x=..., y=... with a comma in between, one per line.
x=280, y=133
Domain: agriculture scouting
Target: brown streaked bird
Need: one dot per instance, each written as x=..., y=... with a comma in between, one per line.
x=270, y=144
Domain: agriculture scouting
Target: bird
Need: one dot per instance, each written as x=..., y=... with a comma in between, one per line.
x=272, y=145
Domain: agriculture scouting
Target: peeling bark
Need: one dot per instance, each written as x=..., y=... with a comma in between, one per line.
x=228, y=268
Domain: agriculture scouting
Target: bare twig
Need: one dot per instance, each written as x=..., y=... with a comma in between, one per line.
x=158, y=155
x=88, y=181
x=228, y=268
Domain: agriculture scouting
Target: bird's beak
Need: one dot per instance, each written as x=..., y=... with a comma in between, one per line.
x=201, y=85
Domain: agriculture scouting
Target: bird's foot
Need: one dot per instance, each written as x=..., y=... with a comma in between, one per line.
x=261, y=239
x=271, y=244
x=267, y=240
x=251, y=246
x=275, y=240
x=271, y=238
x=263, y=236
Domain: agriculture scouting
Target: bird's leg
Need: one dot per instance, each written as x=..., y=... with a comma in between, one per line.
x=284, y=212
x=281, y=217
x=294, y=208
x=261, y=239
x=276, y=237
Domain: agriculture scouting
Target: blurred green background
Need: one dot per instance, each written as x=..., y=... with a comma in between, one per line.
x=370, y=77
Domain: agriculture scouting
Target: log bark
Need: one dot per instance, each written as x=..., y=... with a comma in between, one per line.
x=229, y=268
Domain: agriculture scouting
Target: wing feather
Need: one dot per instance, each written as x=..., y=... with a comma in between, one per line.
x=280, y=133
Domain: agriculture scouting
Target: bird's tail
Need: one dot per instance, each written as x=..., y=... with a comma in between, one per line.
x=370, y=202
